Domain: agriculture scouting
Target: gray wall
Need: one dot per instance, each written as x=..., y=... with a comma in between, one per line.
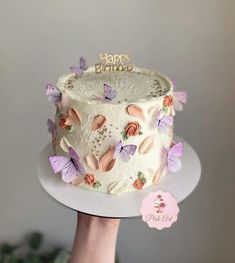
x=193, y=41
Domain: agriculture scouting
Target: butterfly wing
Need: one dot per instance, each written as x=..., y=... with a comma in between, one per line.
x=76, y=70
x=176, y=150
x=58, y=163
x=79, y=167
x=165, y=123
x=168, y=120
x=179, y=98
x=118, y=148
x=127, y=151
x=73, y=154
x=125, y=156
x=130, y=149
x=69, y=173
x=51, y=126
x=109, y=93
x=158, y=119
x=173, y=81
x=83, y=65
x=53, y=93
x=174, y=164
x=98, y=97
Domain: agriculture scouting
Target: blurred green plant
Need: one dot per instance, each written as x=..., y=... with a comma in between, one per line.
x=29, y=252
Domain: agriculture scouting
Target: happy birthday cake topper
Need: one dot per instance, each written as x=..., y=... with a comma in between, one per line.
x=111, y=63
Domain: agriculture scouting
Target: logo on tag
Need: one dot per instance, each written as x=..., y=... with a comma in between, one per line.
x=159, y=210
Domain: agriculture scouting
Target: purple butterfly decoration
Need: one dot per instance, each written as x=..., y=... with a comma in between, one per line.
x=109, y=93
x=125, y=151
x=51, y=127
x=173, y=157
x=78, y=70
x=179, y=98
x=165, y=123
x=54, y=95
x=52, y=130
x=69, y=167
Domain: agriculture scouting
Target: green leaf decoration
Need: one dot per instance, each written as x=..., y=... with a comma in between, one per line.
x=58, y=112
x=35, y=240
x=124, y=135
x=165, y=109
x=97, y=184
x=143, y=180
x=141, y=177
x=140, y=132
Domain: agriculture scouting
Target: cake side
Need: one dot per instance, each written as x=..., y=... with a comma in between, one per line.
x=140, y=115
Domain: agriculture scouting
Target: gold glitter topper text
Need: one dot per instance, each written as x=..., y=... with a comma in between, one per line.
x=116, y=62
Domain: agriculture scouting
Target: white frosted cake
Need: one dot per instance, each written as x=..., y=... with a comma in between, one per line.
x=113, y=131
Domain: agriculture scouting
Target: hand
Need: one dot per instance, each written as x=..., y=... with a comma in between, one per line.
x=95, y=239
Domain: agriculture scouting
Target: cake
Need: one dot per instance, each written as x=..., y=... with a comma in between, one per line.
x=113, y=130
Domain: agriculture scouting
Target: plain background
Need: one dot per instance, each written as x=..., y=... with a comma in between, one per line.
x=192, y=41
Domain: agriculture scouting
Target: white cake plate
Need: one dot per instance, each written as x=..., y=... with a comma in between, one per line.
x=180, y=185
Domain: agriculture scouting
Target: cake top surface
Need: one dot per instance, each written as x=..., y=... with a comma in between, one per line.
x=134, y=86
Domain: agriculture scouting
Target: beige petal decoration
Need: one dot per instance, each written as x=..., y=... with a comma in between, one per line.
x=74, y=116
x=154, y=109
x=91, y=161
x=98, y=122
x=106, y=162
x=77, y=181
x=146, y=145
x=151, y=110
x=172, y=111
x=65, y=144
x=161, y=171
x=135, y=111
x=118, y=187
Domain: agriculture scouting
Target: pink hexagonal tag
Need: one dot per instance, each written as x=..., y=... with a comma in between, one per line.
x=159, y=210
